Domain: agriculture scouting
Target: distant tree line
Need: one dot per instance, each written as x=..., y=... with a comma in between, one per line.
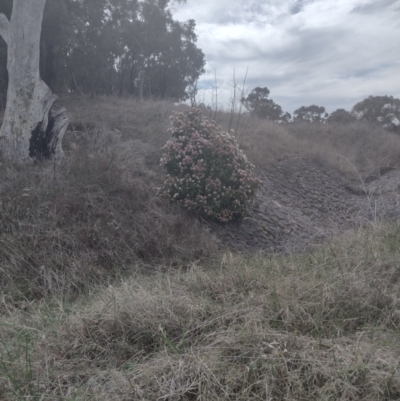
x=379, y=110
x=119, y=47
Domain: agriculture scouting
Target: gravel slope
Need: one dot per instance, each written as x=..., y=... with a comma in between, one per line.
x=303, y=202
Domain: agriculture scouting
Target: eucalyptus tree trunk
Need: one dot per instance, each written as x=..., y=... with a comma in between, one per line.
x=30, y=128
x=141, y=84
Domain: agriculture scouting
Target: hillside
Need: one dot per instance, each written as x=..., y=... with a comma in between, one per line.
x=318, y=180
x=303, y=203
x=108, y=292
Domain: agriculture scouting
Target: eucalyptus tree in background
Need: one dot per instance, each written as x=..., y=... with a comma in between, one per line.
x=131, y=48
x=379, y=110
x=258, y=103
x=341, y=116
x=176, y=63
x=57, y=39
x=310, y=114
x=119, y=47
x=30, y=129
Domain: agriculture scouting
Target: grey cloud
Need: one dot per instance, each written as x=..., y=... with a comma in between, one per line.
x=297, y=7
x=365, y=72
x=304, y=47
x=255, y=8
x=300, y=58
x=375, y=7
x=310, y=47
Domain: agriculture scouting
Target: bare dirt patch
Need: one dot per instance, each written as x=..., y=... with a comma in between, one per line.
x=304, y=202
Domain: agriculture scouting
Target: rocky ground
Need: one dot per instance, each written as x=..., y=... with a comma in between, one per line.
x=303, y=203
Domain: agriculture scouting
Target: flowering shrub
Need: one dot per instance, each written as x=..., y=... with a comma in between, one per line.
x=206, y=169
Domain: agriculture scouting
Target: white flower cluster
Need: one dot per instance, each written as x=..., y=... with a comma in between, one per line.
x=206, y=170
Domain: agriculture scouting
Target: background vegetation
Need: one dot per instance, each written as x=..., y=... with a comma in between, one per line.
x=380, y=111
x=123, y=47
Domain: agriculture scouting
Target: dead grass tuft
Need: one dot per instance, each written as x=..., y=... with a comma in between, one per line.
x=317, y=326
x=354, y=149
x=146, y=121
x=89, y=219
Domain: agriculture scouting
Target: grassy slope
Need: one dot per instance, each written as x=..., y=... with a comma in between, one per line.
x=109, y=294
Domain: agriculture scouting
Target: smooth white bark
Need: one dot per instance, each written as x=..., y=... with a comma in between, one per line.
x=24, y=132
x=4, y=25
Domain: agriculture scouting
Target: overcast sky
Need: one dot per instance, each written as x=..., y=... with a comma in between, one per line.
x=332, y=53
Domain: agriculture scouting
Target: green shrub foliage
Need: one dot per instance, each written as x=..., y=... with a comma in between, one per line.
x=206, y=170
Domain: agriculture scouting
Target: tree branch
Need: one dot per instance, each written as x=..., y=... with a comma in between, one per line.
x=4, y=24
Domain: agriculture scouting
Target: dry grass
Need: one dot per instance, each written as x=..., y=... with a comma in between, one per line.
x=88, y=219
x=81, y=318
x=354, y=149
x=147, y=121
x=322, y=326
